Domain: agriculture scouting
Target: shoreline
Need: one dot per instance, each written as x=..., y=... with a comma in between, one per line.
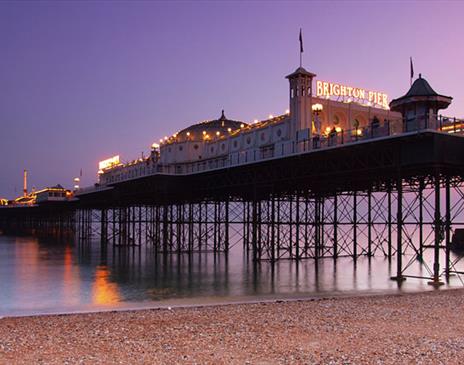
x=205, y=302
x=418, y=327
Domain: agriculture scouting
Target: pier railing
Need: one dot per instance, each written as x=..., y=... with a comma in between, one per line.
x=335, y=137
x=381, y=130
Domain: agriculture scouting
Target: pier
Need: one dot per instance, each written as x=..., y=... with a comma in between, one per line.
x=382, y=196
x=303, y=185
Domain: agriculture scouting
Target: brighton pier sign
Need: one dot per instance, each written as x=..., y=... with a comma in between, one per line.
x=330, y=89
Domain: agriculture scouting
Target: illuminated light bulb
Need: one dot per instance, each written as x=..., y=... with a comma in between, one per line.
x=359, y=132
x=338, y=129
x=229, y=130
x=317, y=108
x=271, y=116
x=188, y=134
x=327, y=129
x=349, y=100
x=287, y=111
x=255, y=121
x=161, y=140
x=204, y=133
x=165, y=138
x=218, y=133
x=242, y=125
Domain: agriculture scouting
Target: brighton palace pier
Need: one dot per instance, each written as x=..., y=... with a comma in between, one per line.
x=342, y=173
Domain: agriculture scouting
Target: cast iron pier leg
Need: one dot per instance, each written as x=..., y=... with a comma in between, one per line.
x=399, y=224
x=438, y=229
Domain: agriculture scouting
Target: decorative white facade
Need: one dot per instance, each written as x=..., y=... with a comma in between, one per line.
x=310, y=123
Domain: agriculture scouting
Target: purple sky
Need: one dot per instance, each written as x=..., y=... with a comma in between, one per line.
x=82, y=81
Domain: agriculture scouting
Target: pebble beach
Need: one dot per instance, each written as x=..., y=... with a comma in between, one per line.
x=420, y=328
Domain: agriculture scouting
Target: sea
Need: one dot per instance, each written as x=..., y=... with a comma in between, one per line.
x=44, y=276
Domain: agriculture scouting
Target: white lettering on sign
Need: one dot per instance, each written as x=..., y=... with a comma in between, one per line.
x=108, y=163
x=328, y=89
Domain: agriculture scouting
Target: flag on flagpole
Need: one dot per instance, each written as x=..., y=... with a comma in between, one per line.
x=412, y=68
x=301, y=41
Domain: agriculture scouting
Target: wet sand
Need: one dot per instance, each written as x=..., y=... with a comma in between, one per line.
x=419, y=328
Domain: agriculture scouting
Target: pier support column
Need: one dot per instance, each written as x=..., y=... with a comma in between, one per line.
x=104, y=225
x=273, y=245
x=335, y=227
x=448, y=228
x=389, y=223
x=355, y=226
x=369, y=223
x=254, y=230
x=226, y=226
x=297, y=226
x=421, y=219
x=438, y=230
x=399, y=225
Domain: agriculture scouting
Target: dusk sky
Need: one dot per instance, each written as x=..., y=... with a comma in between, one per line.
x=82, y=81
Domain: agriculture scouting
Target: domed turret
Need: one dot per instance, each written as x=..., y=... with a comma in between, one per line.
x=210, y=128
x=420, y=105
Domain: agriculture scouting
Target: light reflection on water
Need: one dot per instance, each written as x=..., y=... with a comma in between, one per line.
x=39, y=276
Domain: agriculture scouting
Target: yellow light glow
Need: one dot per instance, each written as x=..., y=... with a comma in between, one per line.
x=155, y=145
x=327, y=129
x=359, y=132
x=287, y=111
x=204, y=133
x=271, y=116
x=242, y=125
x=218, y=133
x=255, y=121
x=103, y=290
x=338, y=129
x=188, y=134
x=166, y=138
x=229, y=130
x=108, y=163
x=316, y=107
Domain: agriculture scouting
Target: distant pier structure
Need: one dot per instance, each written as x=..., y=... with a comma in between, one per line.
x=343, y=173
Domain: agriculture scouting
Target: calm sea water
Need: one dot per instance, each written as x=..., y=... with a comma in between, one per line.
x=46, y=276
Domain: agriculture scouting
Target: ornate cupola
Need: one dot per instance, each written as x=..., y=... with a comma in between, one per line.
x=301, y=90
x=420, y=105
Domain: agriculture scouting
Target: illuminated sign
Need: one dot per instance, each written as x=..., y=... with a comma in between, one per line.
x=328, y=89
x=108, y=163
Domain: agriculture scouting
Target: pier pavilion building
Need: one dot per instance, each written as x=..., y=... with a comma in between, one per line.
x=321, y=114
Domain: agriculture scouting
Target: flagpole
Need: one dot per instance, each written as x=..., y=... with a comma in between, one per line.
x=411, y=69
